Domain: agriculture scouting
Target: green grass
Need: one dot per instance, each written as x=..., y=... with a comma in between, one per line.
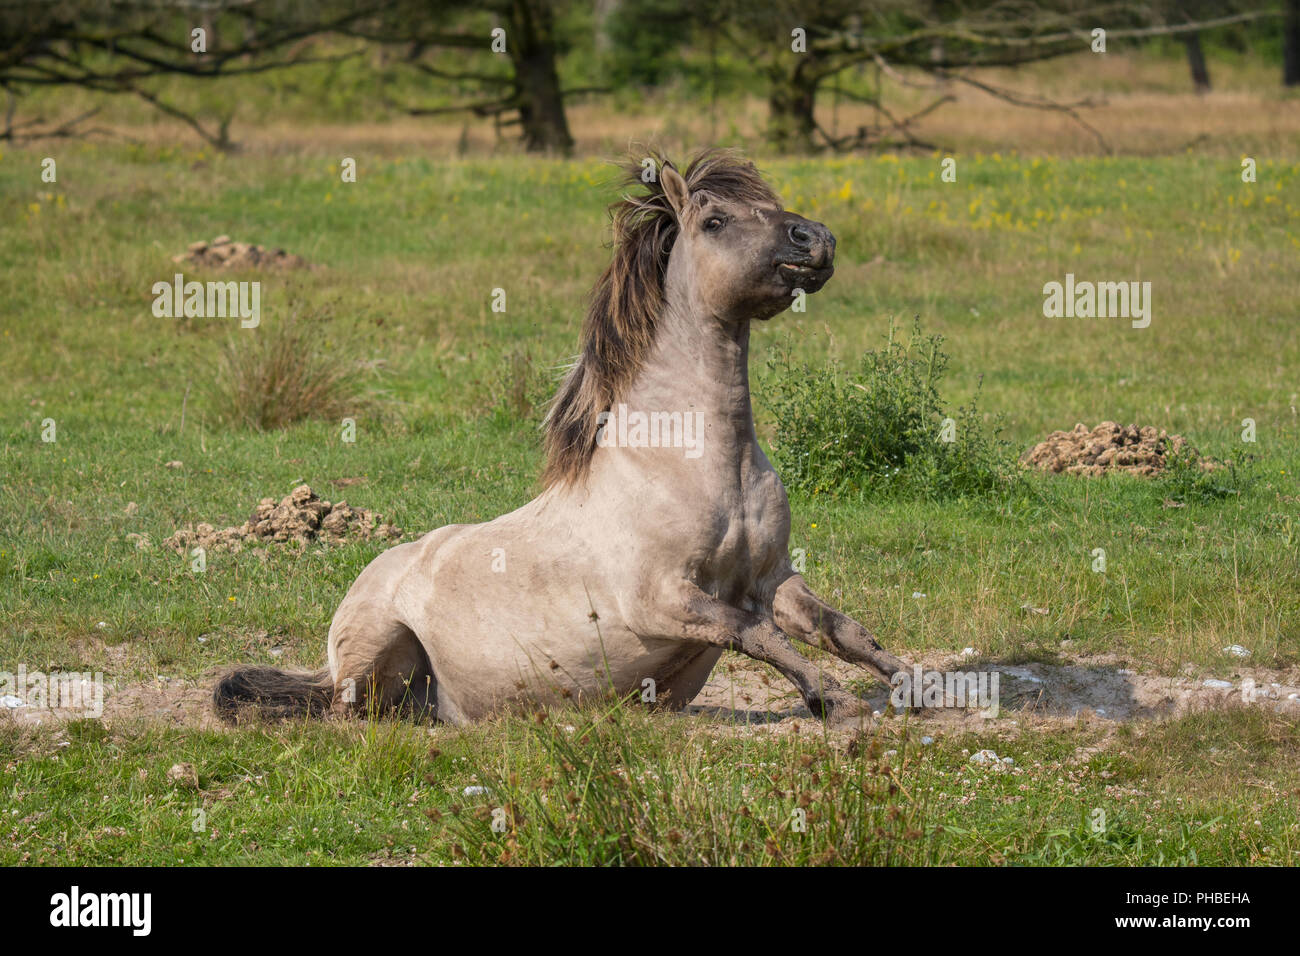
x=619, y=785
x=412, y=252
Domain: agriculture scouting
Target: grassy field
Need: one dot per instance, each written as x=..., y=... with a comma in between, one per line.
x=447, y=432
x=1215, y=788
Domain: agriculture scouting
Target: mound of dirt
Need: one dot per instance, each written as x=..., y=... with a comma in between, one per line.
x=222, y=253
x=1137, y=450
x=300, y=517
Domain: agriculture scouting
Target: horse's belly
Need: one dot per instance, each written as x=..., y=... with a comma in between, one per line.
x=661, y=670
x=567, y=664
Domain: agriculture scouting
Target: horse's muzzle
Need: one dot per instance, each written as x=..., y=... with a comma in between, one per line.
x=806, y=257
x=811, y=242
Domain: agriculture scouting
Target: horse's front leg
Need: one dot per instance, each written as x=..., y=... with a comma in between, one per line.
x=698, y=617
x=806, y=617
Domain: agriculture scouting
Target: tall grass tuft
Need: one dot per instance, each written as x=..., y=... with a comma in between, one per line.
x=285, y=372
x=521, y=389
x=612, y=785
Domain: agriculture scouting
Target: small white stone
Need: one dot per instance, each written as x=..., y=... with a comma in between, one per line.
x=1236, y=650
x=1219, y=684
x=968, y=652
x=984, y=756
x=475, y=791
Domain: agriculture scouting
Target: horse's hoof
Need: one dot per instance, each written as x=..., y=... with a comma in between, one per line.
x=846, y=713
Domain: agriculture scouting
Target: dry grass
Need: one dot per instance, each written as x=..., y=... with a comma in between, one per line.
x=282, y=372
x=1140, y=104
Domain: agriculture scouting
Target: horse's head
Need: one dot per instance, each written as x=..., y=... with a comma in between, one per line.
x=710, y=243
x=738, y=254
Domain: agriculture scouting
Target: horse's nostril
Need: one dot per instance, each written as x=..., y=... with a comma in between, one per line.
x=800, y=235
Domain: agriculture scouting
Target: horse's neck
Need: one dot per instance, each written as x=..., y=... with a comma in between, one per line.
x=699, y=365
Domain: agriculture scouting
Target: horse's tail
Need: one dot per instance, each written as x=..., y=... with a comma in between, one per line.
x=267, y=692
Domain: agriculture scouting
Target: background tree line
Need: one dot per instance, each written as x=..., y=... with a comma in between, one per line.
x=521, y=62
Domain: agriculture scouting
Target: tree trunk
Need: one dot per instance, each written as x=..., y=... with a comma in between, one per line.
x=1291, y=44
x=1196, y=62
x=791, y=106
x=531, y=46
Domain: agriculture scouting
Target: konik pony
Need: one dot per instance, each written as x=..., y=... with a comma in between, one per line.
x=641, y=558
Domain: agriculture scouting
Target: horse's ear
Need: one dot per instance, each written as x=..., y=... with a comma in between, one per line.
x=674, y=188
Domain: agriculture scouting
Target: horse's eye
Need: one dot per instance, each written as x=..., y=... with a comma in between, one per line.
x=714, y=224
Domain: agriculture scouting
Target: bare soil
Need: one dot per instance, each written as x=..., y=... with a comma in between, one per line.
x=300, y=517
x=1137, y=450
x=1097, y=690
x=224, y=253
x=744, y=696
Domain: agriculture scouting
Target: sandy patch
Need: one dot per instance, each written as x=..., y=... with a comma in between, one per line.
x=745, y=696
x=1098, y=689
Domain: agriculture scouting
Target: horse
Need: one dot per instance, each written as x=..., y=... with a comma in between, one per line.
x=649, y=551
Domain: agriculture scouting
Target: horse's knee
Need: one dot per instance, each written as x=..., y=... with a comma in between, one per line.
x=793, y=608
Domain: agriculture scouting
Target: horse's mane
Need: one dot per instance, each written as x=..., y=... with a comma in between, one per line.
x=620, y=325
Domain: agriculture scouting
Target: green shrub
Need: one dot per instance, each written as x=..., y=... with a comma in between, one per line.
x=1187, y=481
x=883, y=428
